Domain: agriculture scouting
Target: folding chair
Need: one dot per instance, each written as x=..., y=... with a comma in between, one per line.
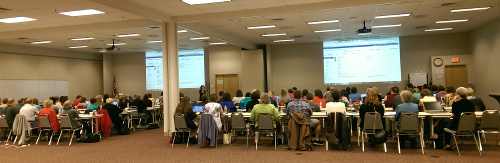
x=66, y=126
x=373, y=122
x=43, y=121
x=3, y=124
x=180, y=126
x=466, y=127
x=238, y=124
x=409, y=125
x=266, y=125
x=490, y=124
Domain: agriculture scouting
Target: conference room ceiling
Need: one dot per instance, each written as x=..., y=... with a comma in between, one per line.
x=228, y=21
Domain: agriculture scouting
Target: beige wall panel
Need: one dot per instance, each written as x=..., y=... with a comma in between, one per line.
x=130, y=70
x=11, y=66
x=46, y=68
x=61, y=68
x=252, y=70
x=224, y=59
x=75, y=78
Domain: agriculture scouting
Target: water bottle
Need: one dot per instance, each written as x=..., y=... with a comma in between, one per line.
x=320, y=105
x=225, y=109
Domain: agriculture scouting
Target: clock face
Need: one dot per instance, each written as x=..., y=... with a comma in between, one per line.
x=438, y=62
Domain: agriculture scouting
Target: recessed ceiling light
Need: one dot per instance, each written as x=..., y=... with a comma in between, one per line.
x=276, y=34
x=329, y=30
x=470, y=9
x=196, y=2
x=199, y=38
x=391, y=16
x=40, y=42
x=217, y=43
x=76, y=47
x=116, y=44
x=81, y=39
x=16, y=20
x=439, y=29
x=128, y=35
x=261, y=27
x=386, y=26
x=182, y=31
x=323, y=22
x=284, y=40
x=153, y=41
x=452, y=21
x=82, y=12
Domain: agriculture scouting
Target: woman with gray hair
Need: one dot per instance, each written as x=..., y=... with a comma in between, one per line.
x=73, y=116
x=406, y=107
x=457, y=108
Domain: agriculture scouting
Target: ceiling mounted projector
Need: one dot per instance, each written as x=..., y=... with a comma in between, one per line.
x=364, y=30
x=112, y=48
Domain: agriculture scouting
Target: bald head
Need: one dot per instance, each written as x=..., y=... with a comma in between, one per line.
x=10, y=101
x=28, y=101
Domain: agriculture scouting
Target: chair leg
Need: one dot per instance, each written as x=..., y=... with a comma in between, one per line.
x=362, y=141
x=39, y=134
x=187, y=144
x=15, y=139
x=173, y=140
x=59, y=137
x=50, y=141
x=8, y=137
x=456, y=144
x=477, y=145
x=479, y=137
x=421, y=142
x=275, y=135
x=71, y=139
x=399, y=143
x=385, y=147
x=248, y=131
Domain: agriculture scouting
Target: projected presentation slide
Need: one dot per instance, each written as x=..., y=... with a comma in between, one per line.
x=154, y=71
x=191, y=69
x=360, y=61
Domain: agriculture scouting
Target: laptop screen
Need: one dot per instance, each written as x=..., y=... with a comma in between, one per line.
x=115, y=102
x=198, y=108
x=433, y=106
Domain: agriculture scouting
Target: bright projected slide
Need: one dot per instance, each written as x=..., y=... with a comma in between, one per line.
x=191, y=69
x=362, y=61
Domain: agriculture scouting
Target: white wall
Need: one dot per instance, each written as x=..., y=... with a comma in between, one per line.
x=107, y=73
x=224, y=59
x=447, y=61
x=486, y=55
x=252, y=71
x=130, y=72
x=83, y=71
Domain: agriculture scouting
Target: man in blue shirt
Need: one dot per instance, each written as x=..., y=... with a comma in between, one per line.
x=354, y=96
x=299, y=106
x=406, y=107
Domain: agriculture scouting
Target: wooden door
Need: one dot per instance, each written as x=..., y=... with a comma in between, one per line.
x=227, y=83
x=456, y=76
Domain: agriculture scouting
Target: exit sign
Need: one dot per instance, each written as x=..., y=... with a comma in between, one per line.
x=455, y=60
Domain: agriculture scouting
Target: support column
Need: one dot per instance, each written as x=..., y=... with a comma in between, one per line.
x=170, y=75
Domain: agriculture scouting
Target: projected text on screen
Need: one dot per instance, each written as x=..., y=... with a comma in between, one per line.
x=359, y=61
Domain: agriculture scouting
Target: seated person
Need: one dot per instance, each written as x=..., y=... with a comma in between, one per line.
x=463, y=105
x=227, y=103
x=425, y=96
x=114, y=114
x=82, y=104
x=244, y=101
x=451, y=96
x=56, y=104
x=354, y=96
x=30, y=112
x=77, y=100
x=37, y=105
x=52, y=115
x=478, y=102
x=184, y=107
x=336, y=105
x=92, y=105
x=372, y=104
x=238, y=97
x=215, y=109
x=265, y=106
x=406, y=107
x=140, y=108
x=398, y=100
x=283, y=98
x=255, y=100
x=4, y=104
x=390, y=98
x=221, y=93
x=73, y=117
x=313, y=123
x=441, y=93
x=99, y=101
x=10, y=112
x=272, y=99
x=319, y=99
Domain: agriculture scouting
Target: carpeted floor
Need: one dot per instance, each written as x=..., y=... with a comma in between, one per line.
x=152, y=146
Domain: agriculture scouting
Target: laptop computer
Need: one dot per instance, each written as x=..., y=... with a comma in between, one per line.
x=198, y=108
x=433, y=107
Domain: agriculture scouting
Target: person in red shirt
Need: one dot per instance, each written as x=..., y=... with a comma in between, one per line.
x=319, y=99
x=47, y=110
x=390, y=98
x=77, y=100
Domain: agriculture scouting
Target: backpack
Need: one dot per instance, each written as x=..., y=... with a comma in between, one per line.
x=92, y=138
x=124, y=131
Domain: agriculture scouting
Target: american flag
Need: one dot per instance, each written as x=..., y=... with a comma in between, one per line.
x=115, y=92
